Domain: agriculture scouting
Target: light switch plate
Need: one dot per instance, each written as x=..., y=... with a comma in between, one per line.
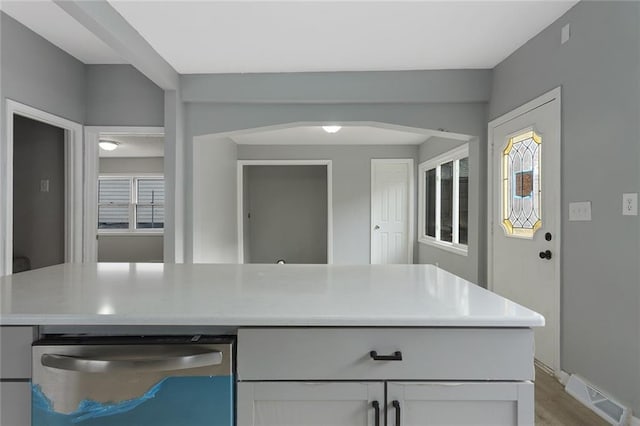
x=630, y=204
x=565, y=34
x=580, y=211
x=44, y=185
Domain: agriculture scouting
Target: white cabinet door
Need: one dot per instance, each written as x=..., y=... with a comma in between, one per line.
x=310, y=404
x=15, y=352
x=460, y=404
x=15, y=404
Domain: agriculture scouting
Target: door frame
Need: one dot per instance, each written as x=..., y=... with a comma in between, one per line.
x=411, y=237
x=72, y=186
x=240, y=202
x=553, y=97
x=91, y=173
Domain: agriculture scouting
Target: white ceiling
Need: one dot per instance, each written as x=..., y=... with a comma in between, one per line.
x=48, y=20
x=299, y=36
x=245, y=36
x=314, y=135
x=134, y=146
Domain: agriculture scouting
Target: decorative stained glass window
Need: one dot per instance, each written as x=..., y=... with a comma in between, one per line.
x=521, y=188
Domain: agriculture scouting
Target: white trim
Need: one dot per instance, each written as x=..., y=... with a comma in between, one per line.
x=92, y=171
x=240, y=205
x=428, y=133
x=411, y=204
x=455, y=155
x=555, y=96
x=73, y=187
x=562, y=376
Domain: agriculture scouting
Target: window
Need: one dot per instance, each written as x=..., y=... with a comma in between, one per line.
x=444, y=200
x=130, y=204
x=521, y=189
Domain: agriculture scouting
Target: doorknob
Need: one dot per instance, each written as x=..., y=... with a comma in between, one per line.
x=545, y=254
x=376, y=227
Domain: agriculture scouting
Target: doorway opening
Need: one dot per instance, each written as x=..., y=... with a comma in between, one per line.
x=38, y=194
x=40, y=190
x=284, y=212
x=124, y=194
x=130, y=225
x=524, y=215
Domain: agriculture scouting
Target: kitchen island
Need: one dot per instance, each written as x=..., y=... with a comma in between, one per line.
x=336, y=345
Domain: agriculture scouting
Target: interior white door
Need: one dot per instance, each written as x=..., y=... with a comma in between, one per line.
x=524, y=263
x=391, y=208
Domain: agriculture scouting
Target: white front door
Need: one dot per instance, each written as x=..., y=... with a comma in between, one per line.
x=524, y=255
x=391, y=211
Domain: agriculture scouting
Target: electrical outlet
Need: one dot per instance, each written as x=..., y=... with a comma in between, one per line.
x=44, y=185
x=580, y=211
x=630, y=204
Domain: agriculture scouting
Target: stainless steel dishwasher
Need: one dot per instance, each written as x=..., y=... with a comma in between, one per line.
x=133, y=381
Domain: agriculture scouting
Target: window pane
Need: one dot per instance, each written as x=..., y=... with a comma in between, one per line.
x=430, y=203
x=463, y=202
x=114, y=196
x=113, y=216
x=446, y=202
x=114, y=191
x=150, y=191
x=150, y=217
x=521, y=189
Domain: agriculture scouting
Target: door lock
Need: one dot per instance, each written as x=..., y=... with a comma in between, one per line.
x=545, y=254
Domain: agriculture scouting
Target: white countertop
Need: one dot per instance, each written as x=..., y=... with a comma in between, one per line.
x=253, y=295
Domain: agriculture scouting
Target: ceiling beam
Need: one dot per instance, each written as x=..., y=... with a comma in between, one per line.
x=99, y=17
x=376, y=87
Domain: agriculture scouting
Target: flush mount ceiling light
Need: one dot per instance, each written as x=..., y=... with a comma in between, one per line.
x=331, y=129
x=108, y=145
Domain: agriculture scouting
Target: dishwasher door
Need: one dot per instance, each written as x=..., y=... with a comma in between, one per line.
x=171, y=381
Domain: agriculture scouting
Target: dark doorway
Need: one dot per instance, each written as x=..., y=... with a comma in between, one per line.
x=38, y=194
x=285, y=213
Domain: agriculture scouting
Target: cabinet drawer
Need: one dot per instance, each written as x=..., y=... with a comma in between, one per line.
x=15, y=352
x=345, y=354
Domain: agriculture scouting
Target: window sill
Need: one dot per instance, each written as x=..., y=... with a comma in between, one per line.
x=444, y=246
x=130, y=233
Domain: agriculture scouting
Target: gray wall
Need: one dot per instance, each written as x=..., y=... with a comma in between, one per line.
x=214, y=214
x=131, y=248
x=365, y=87
x=135, y=248
x=469, y=267
x=38, y=226
x=119, y=95
x=598, y=70
x=131, y=165
x=351, y=168
x=37, y=73
x=288, y=214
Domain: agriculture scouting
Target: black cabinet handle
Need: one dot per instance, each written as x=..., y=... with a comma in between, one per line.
x=396, y=406
x=397, y=356
x=376, y=412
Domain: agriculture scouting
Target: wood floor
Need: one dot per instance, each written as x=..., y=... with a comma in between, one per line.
x=555, y=407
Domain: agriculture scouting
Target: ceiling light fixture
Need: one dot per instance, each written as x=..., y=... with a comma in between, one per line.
x=331, y=129
x=108, y=145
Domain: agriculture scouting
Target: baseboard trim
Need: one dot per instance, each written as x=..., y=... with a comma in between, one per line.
x=560, y=375
x=563, y=377
x=635, y=421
